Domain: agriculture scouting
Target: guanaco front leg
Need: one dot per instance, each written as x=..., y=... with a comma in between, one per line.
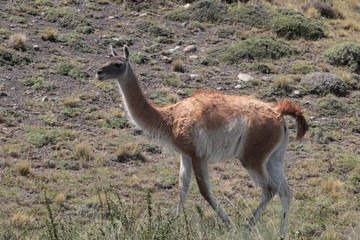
x=201, y=171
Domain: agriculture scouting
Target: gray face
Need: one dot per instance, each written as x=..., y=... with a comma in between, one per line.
x=114, y=68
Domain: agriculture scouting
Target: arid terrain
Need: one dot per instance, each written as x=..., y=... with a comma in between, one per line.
x=72, y=166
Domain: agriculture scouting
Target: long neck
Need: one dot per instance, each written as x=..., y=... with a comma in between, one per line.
x=139, y=109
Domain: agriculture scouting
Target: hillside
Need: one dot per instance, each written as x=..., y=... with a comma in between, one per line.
x=73, y=167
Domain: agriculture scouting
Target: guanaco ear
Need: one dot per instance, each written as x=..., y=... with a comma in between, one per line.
x=126, y=52
x=113, y=52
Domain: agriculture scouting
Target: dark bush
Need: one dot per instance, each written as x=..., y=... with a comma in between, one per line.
x=202, y=11
x=324, y=83
x=344, y=54
x=297, y=26
x=251, y=49
x=253, y=16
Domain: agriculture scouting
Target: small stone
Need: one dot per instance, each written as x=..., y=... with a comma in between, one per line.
x=184, y=24
x=190, y=48
x=297, y=92
x=36, y=47
x=166, y=59
x=218, y=88
x=193, y=57
x=186, y=5
x=192, y=76
x=111, y=17
x=237, y=86
x=244, y=77
x=45, y=99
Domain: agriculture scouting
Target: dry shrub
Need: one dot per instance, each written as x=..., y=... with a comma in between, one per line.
x=18, y=41
x=83, y=152
x=23, y=168
x=177, y=65
x=128, y=152
x=49, y=34
x=20, y=219
x=332, y=187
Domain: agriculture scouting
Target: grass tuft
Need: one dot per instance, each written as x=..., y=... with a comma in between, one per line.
x=129, y=152
x=23, y=168
x=18, y=41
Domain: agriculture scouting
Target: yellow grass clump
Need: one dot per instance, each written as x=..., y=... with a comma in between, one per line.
x=23, y=168
x=18, y=41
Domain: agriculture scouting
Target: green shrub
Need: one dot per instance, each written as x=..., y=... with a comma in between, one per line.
x=10, y=57
x=251, y=49
x=153, y=28
x=195, y=26
x=75, y=41
x=201, y=11
x=116, y=40
x=225, y=32
x=344, y=54
x=139, y=58
x=38, y=82
x=252, y=15
x=64, y=68
x=78, y=73
x=5, y=33
x=66, y=17
x=296, y=26
x=164, y=40
x=331, y=105
x=302, y=69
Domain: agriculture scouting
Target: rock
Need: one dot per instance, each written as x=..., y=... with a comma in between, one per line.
x=193, y=57
x=325, y=83
x=297, y=92
x=166, y=59
x=192, y=76
x=244, y=77
x=45, y=99
x=36, y=47
x=190, y=48
x=186, y=5
x=237, y=86
x=184, y=24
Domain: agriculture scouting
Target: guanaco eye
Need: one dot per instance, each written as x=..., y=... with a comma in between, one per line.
x=118, y=65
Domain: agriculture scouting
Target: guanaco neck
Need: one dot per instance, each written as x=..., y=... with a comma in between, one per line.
x=146, y=116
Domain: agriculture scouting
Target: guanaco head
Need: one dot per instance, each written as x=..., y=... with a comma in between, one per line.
x=116, y=67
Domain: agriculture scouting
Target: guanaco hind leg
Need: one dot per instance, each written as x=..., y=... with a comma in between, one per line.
x=184, y=180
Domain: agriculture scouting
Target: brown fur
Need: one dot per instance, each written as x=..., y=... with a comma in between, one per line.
x=286, y=107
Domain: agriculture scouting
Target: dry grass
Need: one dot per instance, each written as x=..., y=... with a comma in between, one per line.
x=23, y=168
x=20, y=219
x=18, y=41
x=71, y=102
x=49, y=34
x=83, y=152
x=332, y=187
x=177, y=65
